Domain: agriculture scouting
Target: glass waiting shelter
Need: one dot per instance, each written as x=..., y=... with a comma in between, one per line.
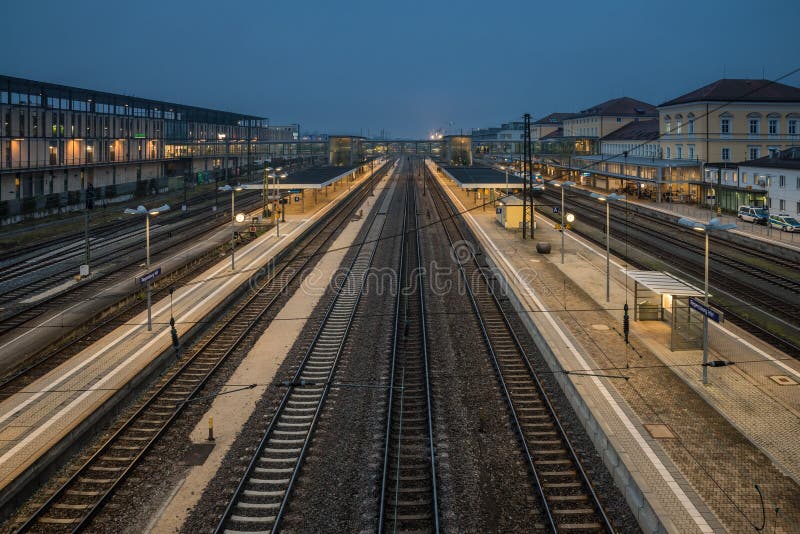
x=659, y=296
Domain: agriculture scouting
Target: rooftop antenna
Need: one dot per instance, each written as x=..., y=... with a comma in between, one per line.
x=763, y=73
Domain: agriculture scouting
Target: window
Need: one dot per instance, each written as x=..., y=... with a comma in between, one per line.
x=782, y=205
x=678, y=126
x=744, y=177
x=691, y=151
x=619, y=119
x=726, y=154
x=798, y=183
x=791, y=127
x=797, y=208
x=781, y=181
x=667, y=128
x=679, y=153
x=769, y=202
x=773, y=126
x=690, y=125
x=725, y=126
x=755, y=152
x=669, y=153
x=755, y=126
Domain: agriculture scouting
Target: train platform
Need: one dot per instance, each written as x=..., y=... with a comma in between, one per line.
x=50, y=327
x=37, y=423
x=687, y=455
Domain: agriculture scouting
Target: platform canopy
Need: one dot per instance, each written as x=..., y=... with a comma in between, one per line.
x=314, y=178
x=482, y=178
x=662, y=283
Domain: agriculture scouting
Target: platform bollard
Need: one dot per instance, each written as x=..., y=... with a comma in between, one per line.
x=210, y=429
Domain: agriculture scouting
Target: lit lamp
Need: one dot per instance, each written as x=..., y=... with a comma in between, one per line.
x=713, y=225
x=607, y=199
x=234, y=219
x=563, y=186
x=141, y=210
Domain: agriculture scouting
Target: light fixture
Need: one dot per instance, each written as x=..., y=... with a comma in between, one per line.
x=240, y=217
x=570, y=217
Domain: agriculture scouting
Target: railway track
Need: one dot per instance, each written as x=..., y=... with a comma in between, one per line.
x=566, y=495
x=45, y=361
x=743, y=283
x=260, y=500
x=78, y=500
x=116, y=263
x=408, y=497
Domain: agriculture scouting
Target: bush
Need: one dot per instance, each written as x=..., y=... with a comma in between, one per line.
x=28, y=205
x=52, y=200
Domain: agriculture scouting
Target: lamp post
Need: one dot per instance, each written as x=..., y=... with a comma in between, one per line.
x=267, y=176
x=234, y=219
x=711, y=226
x=278, y=173
x=607, y=199
x=563, y=186
x=141, y=210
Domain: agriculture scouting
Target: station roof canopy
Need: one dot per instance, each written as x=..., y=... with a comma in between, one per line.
x=481, y=178
x=314, y=178
x=662, y=283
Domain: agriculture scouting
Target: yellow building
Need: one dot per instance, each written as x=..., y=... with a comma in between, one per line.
x=730, y=120
x=547, y=125
x=509, y=213
x=602, y=119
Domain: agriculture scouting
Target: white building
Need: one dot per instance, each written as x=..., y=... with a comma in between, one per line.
x=780, y=174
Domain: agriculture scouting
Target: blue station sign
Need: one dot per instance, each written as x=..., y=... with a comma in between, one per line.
x=698, y=306
x=150, y=276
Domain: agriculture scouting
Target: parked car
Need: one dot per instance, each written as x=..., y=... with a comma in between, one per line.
x=751, y=214
x=783, y=221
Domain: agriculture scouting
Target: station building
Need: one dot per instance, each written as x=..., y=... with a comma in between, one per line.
x=56, y=140
x=771, y=182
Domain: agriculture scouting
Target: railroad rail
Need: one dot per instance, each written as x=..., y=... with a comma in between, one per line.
x=261, y=498
x=408, y=495
x=566, y=495
x=79, y=499
x=46, y=360
x=741, y=279
x=116, y=262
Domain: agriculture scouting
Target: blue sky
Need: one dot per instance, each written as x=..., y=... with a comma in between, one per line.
x=407, y=67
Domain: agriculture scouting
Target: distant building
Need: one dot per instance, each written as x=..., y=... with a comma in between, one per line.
x=730, y=120
x=602, y=119
x=779, y=173
x=56, y=141
x=638, y=139
x=547, y=125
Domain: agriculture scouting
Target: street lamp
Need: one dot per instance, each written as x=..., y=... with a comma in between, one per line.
x=607, y=199
x=505, y=168
x=563, y=186
x=267, y=176
x=278, y=173
x=713, y=225
x=141, y=210
x=234, y=219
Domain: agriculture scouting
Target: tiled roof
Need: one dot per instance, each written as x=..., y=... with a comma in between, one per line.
x=726, y=90
x=788, y=158
x=624, y=106
x=553, y=118
x=554, y=134
x=636, y=131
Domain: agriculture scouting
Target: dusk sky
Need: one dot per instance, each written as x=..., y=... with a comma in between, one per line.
x=407, y=67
